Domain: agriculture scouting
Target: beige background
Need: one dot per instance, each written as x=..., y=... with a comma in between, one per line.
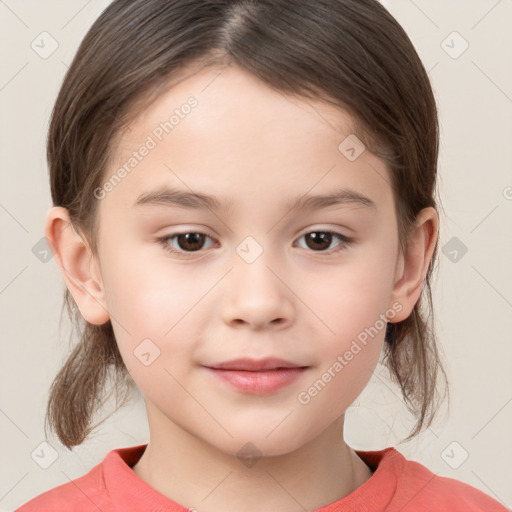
x=473, y=295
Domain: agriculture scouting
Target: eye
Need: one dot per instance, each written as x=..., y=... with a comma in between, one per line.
x=323, y=239
x=189, y=242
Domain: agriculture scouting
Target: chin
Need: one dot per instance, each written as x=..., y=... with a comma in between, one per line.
x=253, y=446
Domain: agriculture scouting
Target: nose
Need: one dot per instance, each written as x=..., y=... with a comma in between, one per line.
x=256, y=296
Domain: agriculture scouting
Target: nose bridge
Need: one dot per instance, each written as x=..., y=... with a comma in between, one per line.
x=256, y=293
x=253, y=265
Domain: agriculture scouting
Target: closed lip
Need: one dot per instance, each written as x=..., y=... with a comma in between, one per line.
x=255, y=365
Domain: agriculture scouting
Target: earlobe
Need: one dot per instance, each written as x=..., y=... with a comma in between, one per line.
x=413, y=265
x=78, y=266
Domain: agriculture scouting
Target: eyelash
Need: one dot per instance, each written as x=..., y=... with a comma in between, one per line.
x=164, y=241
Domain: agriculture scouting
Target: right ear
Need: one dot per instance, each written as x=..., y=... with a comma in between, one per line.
x=78, y=266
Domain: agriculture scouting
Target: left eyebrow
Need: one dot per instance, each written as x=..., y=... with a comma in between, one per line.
x=196, y=200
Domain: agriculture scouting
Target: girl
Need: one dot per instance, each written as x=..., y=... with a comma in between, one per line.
x=244, y=217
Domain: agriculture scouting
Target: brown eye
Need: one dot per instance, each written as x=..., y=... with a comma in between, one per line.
x=184, y=244
x=320, y=241
x=190, y=241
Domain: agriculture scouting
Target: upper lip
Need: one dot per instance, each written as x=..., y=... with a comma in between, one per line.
x=254, y=365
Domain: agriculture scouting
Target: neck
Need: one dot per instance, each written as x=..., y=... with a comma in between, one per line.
x=197, y=475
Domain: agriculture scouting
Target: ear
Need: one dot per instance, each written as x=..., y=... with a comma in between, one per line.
x=78, y=266
x=412, y=266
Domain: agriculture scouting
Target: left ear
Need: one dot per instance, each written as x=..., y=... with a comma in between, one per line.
x=413, y=265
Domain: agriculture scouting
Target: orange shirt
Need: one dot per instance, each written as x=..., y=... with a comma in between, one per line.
x=397, y=485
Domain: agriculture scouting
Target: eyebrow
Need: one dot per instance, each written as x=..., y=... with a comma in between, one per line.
x=196, y=200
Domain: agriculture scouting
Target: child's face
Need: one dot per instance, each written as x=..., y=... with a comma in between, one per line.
x=255, y=286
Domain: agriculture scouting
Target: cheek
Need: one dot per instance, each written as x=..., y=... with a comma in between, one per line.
x=351, y=303
x=148, y=310
x=351, y=296
x=161, y=302
x=153, y=331
x=347, y=364
x=143, y=293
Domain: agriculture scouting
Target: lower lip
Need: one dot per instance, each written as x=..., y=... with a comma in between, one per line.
x=261, y=382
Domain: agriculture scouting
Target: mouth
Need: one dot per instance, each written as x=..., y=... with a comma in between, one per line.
x=255, y=365
x=257, y=376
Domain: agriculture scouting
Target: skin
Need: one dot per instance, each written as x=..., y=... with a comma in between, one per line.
x=253, y=148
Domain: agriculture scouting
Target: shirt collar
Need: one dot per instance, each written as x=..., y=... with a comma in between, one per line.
x=130, y=493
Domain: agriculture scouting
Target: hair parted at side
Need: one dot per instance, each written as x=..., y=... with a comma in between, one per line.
x=352, y=54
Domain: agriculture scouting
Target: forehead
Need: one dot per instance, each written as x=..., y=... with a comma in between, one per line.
x=224, y=131
x=233, y=96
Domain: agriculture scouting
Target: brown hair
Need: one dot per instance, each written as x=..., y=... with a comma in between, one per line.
x=352, y=54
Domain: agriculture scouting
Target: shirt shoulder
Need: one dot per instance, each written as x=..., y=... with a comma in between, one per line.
x=418, y=489
x=79, y=495
x=110, y=486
